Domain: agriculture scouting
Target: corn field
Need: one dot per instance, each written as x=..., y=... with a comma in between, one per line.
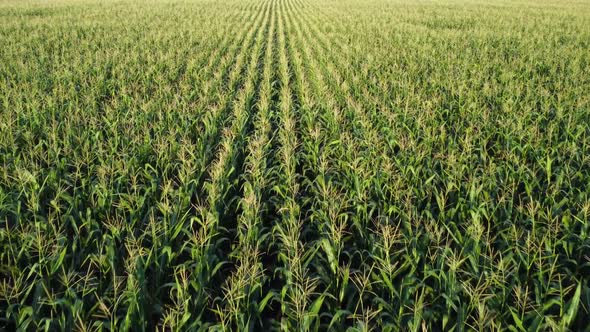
x=294, y=165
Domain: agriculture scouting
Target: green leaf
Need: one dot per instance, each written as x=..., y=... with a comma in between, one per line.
x=517, y=320
x=264, y=301
x=327, y=246
x=57, y=263
x=337, y=316
x=572, y=310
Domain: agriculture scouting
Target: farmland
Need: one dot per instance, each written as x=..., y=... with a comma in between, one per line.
x=295, y=165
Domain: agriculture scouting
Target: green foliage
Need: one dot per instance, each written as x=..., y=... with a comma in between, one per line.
x=294, y=165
